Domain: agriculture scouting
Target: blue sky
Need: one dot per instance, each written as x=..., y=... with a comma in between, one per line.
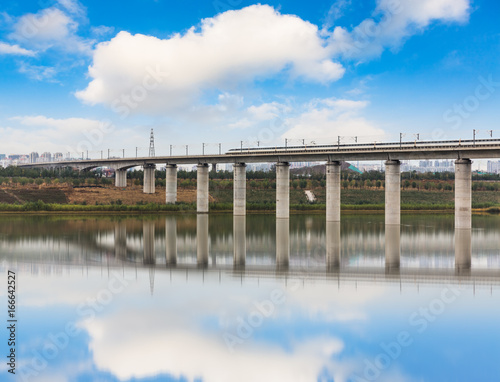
x=93, y=76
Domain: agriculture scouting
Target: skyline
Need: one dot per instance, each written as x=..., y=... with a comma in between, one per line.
x=85, y=76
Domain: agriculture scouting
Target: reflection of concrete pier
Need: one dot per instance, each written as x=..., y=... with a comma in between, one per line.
x=202, y=240
x=463, y=251
x=148, y=239
x=239, y=241
x=120, y=240
x=392, y=248
x=171, y=240
x=282, y=244
x=332, y=245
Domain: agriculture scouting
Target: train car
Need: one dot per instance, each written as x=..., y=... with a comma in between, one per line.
x=421, y=145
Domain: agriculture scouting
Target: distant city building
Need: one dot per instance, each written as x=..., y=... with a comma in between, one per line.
x=429, y=166
x=15, y=157
x=46, y=157
x=58, y=156
x=33, y=157
x=364, y=167
x=3, y=156
x=493, y=167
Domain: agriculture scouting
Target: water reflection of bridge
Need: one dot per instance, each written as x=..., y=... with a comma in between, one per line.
x=325, y=255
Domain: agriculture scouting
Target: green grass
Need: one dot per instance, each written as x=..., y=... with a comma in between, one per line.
x=257, y=200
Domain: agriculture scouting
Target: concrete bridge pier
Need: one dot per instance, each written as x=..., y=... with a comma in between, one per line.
x=239, y=242
x=202, y=240
x=392, y=192
x=121, y=178
x=333, y=191
x=282, y=190
x=171, y=240
x=171, y=184
x=239, y=189
x=332, y=245
x=463, y=195
x=149, y=178
x=202, y=188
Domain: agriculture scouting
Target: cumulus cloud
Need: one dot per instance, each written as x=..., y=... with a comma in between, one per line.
x=50, y=27
x=14, y=50
x=246, y=45
x=324, y=120
x=233, y=47
x=393, y=21
x=184, y=352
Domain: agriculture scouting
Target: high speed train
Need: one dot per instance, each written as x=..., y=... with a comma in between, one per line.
x=420, y=145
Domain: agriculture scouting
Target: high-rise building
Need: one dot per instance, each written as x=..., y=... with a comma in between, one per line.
x=493, y=167
x=46, y=157
x=33, y=157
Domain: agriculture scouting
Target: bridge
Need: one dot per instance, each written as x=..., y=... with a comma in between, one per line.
x=462, y=151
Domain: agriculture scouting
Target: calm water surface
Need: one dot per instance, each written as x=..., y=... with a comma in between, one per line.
x=217, y=298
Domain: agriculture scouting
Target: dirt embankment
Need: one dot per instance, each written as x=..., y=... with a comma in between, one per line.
x=64, y=194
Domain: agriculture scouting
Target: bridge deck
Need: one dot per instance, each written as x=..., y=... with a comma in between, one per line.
x=479, y=149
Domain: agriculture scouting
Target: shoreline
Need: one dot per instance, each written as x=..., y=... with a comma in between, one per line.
x=136, y=210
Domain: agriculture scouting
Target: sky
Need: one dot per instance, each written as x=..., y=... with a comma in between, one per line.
x=91, y=75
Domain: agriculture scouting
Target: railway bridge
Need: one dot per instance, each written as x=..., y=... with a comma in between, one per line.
x=462, y=151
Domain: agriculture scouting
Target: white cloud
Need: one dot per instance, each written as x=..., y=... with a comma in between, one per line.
x=335, y=12
x=268, y=111
x=40, y=133
x=14, y=50
x=37, y=72
x=50, y=27
x=326, y=119
x=101, y=30
x=73, y=7
x=392, y=22
x=233, y=47
x=182, y=351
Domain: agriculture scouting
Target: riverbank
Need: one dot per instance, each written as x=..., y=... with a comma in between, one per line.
x=110, y=199
x=40, y=206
